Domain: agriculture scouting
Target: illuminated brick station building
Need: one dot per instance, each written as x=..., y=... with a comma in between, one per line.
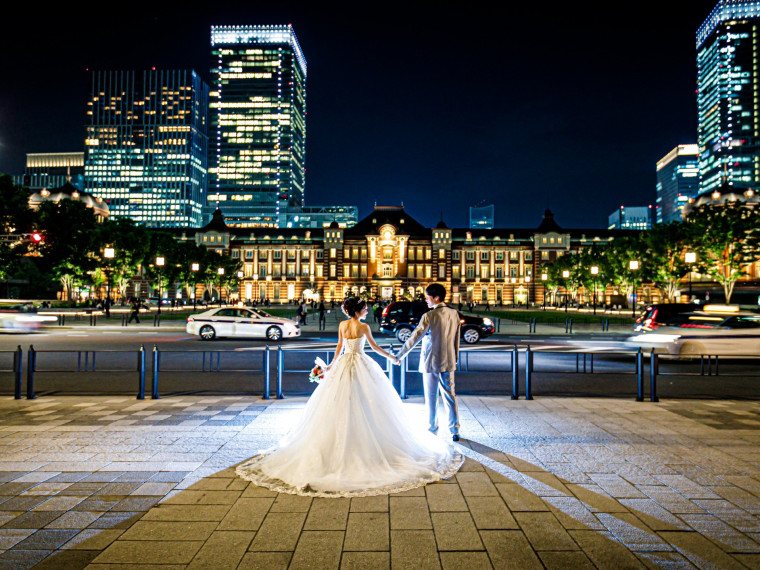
x=390, y=254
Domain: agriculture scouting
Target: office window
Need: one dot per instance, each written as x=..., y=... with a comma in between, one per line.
x=470, y=255
x=441, y=271
x=455, y=255
x=456, y=272
x=470, y=272
x=484, y=256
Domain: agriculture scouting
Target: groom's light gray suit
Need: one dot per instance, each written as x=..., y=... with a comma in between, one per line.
x=439, y=331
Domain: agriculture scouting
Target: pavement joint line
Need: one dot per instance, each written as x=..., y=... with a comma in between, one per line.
x=622, y=447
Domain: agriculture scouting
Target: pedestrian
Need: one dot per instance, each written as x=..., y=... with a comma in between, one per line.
x=322, y=316
x=135, y=314
x=299, y=314
x=304, y=311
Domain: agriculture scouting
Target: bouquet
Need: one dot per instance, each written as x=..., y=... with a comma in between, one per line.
x=317, y=373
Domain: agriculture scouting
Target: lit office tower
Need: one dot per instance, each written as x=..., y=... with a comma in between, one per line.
x=258, y=122
x=147, y=145
x=727, y=97
x=677, y=181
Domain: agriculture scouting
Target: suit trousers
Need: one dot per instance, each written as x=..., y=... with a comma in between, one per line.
x=443, y=383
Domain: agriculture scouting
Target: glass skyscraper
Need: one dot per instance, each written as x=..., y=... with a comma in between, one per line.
x=258, y=122
x=147, y=145
x=677, y=181
x=727, y=97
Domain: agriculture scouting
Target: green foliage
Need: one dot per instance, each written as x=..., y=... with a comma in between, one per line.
x=665, y=246
x=16, y=218
x=70, y=244
x=726, y=239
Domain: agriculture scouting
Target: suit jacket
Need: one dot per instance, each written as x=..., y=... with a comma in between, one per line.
x=439, y=331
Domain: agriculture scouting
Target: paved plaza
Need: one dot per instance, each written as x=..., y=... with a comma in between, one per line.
x=111, y=482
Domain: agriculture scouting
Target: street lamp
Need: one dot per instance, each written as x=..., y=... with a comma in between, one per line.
x=220, y=272
x=195, y=267
x=690, y=258
x=527, y=290
x=633, y=265
x=544, y=277
x=160, y=261
x=565, y=275
x=109, y=254
x=594, y=273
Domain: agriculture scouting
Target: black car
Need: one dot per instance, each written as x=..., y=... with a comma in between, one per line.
x=658, y=314
x=400, y=319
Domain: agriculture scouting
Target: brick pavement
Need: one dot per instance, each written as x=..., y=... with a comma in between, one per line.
x=110, y=482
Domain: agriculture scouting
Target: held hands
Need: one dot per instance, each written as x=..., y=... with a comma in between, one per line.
x=393, y=359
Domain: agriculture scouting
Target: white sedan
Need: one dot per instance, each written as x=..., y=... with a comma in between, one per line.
x=239, y=322
x=705, y=333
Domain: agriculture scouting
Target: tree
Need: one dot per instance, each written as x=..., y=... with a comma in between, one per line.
x=16, y=219
x=587, y=258
x=726, y=240
x=130, y=244
x=665, y=245
x=616, y=260
x=69, y=247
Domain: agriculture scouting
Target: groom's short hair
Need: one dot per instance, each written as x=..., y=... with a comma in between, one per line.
x=436, y=290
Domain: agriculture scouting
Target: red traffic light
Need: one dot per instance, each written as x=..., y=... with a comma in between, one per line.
x=37, y=237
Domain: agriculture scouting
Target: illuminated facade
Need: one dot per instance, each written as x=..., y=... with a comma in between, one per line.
x=147, y=145
x=52, y=170
x=258, y=122
x=389, y=255
x=727, y=97
x=677, y=182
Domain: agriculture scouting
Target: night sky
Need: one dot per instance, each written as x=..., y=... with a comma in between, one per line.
x=439, y=109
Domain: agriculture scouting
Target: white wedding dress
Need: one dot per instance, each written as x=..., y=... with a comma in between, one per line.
x=354, y=439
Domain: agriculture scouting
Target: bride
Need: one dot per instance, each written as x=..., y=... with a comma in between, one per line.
x=354, y=438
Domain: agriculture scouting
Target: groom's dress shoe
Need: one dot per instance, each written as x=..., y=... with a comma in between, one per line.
x=455, y=437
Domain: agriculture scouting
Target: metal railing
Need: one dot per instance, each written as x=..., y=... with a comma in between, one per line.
x=463, y=367
x=510, y=364
x=16, y=368
x=208, y=366
x=584, y=364
x=88, y=366
x=281, y=369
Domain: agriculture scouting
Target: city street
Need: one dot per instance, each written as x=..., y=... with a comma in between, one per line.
x=583, y=364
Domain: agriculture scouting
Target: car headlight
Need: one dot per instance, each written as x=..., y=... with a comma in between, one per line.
x=488, y=322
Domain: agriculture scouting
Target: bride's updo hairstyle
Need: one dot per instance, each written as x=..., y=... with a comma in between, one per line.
x=353, y=306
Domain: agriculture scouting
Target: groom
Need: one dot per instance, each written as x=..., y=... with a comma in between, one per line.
x=439, y=331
